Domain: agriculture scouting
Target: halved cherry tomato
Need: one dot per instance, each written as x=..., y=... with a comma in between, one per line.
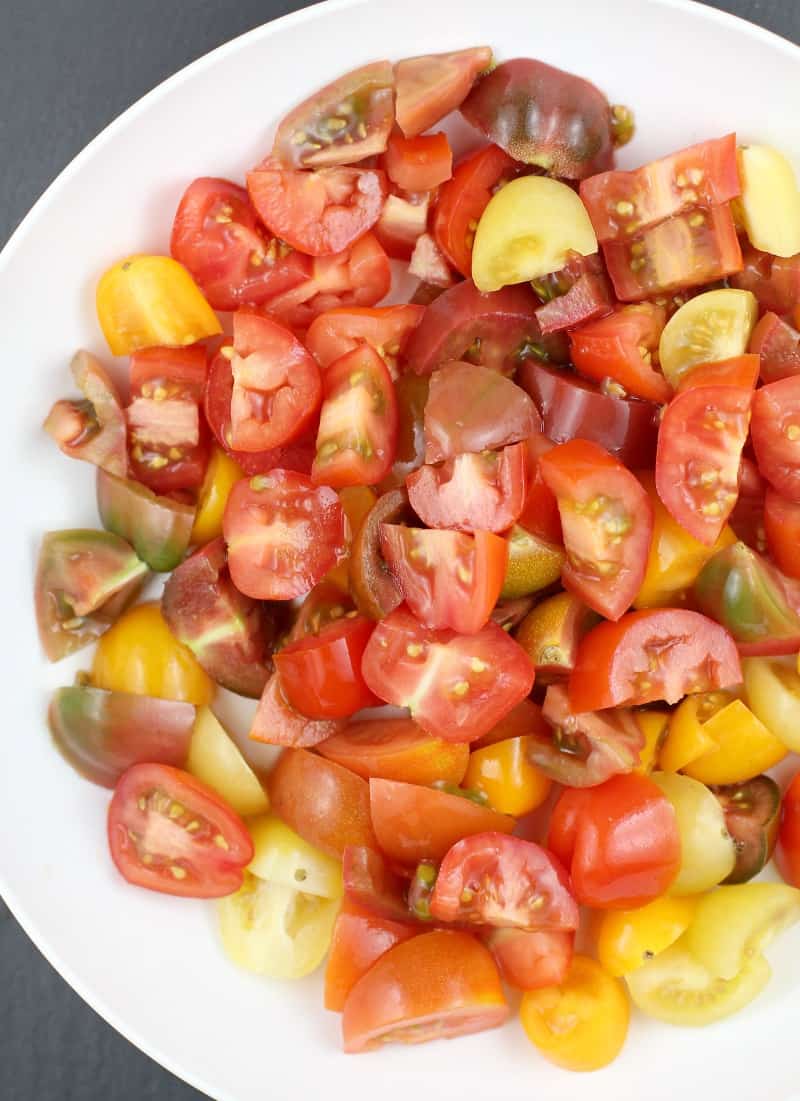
x=92, y=429
x=441, y=984
x=418, y=164
x=326, y=804
x=276, y=722
x=531, y=960
x=607, y=521
x=217, y=237
x=550, y=634
x=752, y=818
x=320, y=213
x=621, y=347
x=344, y=122
x=222, y=474
x=283, y=533
x=620, y=841
x=387, y=329
x=430, y=87
x=321, y=674
x=493, y=879
x=414, y=823
x=456, y=686
x=778, y=345
x=170, y=833
x=447, y=578
x=506, y=775
x=789, y=837
x=484, y=492
x=782, y=528
x=656, y=654
x=397, y=749
x=776, y=435
x=359, y=939
x=357, y=432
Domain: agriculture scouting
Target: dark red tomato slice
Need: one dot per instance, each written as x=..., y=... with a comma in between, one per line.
x=700, y=442
x=774, y=281
x=494, y=879
x=276, y=722
x=531, y=960
x=277, y=388
x=621, y=348
x=540, y=514
x=688, y=250
x=217, y=237
x=572, y=408
x=622, y=203
x=545, y=117
x=283, y=533
x=464, y=198
x=217, y=405
x=740, y=371
x=656, y=654
x=497, y=330
x=778, y=345
x=371, y=883
x=473, y=408
x=342, y=123
x=387, y=329
x=359, y=276
x=430, y=87
x=418, y=164
x=403, y=220
x=484, y=492
x=607, y=521
x=357, y=434
x=168, y=445
x=170, y=833
x=411, y=393
x=585, y=297
x=447, y=578
x=747, y=518
x=782, y=528
x=776, y=435
x=455, y=686
x=372, y=586
x=325, y=603
x=320, y=212
x=321, y=674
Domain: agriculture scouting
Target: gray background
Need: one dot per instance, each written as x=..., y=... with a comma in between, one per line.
x=67, y=68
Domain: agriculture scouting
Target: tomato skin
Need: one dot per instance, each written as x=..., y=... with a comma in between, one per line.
x=418, y=164
x=92, y=429
x=776, y=435
x=507, y=777
x=396, y=749
x=387, y=329
x=372, y=586
x=778, y=346
x=276, y=722
x=549, y=634
x=620, y=841
x=747, y=518
x=788, y=854
x=596, y=495
x=436, y=985
x=740, y=372
x=430, y=87
x=612, y=348
x=359, y=939
x=531, y=960
x=692, y=653
x=782, y=528
x=540, y=514
x=192, y=865
x=321, y=675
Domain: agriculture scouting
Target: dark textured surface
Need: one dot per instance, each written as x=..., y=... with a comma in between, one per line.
x=67, y=68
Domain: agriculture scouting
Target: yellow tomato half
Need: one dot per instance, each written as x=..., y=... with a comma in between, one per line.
x=772, y=688
x=222, y=474
x=215, y=759
x=708, y=853
x=507, y=777
x=654, y=726
x=627, y=939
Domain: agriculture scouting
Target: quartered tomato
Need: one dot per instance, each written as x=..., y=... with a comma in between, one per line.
x=621, y=347
x=456, y=686
x=276, y=722
x=359, y=939
x=505, y=774
x=577, y=294
x=747, y=518
x=607, y=521
x=773, y=280
x=283, y=533
x=782, y=529
x=657, y=654
x=430, y=87
x=321, y=212
x=397, y=749
x=708, y=328
x=789, y=838
x=170, y=833
x=321, y=674
x=539, y=514
x=92, y=429
x=740, y=372
x=217, y=237
x=222, y=474
x=531, y=960
x=778, y=346
x=158, y=528
x=549, y=634
x=473, y=492
x=627, y=939
x=387, y=329
x=371, y=584
x=420, y=163
x=752, y=818
x=776, y=435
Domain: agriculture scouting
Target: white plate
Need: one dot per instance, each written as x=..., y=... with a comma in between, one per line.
x=151, y=965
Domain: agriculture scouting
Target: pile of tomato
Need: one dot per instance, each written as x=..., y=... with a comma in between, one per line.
x=548, y=511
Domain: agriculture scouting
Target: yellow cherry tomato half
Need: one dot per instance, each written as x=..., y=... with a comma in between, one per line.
x=140, y=654
x=627, y=939
x=708, y=328
x=769, y=206
x=581, y=1024
x=533, y=564
x=215, y=759
x=654, y=725
x=222, y=474
x=507, y=777
x=144, y=301
x=356, y=502
x=772, y=690
x=282, y=856
x=708, y=853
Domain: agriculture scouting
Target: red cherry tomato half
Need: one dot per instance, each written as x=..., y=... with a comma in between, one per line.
x=359, y=939
x=788, y=854
x=782, y=529
x=276, y=722
x=472, y=492
x=321, y=674
x=620, y=347
x=776, y=435
x=531, y=960
x=385, y=328
x=430, y=87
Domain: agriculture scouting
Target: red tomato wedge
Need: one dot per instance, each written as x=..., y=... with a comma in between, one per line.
x=371, y=883
x=430, y=87
x=359, y=939
x=620, y=347
x=607, y=520
x=403, y=220
x=321, y=674
x=776, y=435
x=576, y=295
x=320, y=212
x=531, y=960
x=540, y=512
x=357, y=435
x=385, y=328
x=655, y=654
x=741, y=371
x=484, y=492
x=456, y=687
x=153, y=846
x=283, y=534
x=782, y=529
x=788, y=854
x=277, y=387
x=700, y=442
x=418, y=164
x=397, y=749
x=276, y=722
x=778, y=346
x=493, y=879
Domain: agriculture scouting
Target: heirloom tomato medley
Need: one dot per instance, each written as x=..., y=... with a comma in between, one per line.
x=508, y=567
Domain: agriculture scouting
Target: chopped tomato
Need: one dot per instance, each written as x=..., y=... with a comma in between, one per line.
x=324, y=604
x=414, y=823
x=397, y=749
x=622, y=203
x=522, y=720
x=782, y=528
x=276, y=722
x=430, y=87
x=385, y=328
x=539, y=514
x=357, y=433
x=447, y=578
x=217, y=237
x=371, y=883
x=321, y=212
x=550, y=633
x=656, y=654
x=321, y=674
x=418, y=164
x=531, y=960
x=456, y=686
x=776, y=435
x=373, y=587
x=620, y=841
x=170, y=833
x=484, y=492
x=277, y=387
x=428, y=263
x=621, y=348
x=577, y=294
x=740, y=371
x=92, y=428
x=493, y=879
x=747, y=518
x=607, y=521
x=403, y=221
x=789, y=838
x=283, y=533
x=359, y=939
x=774, y=280
x=778, y=346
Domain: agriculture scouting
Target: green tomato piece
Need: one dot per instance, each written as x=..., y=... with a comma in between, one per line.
x=158, y=527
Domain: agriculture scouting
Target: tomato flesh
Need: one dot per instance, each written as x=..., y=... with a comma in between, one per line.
x=387, y=329
x=782, y=529
x=778, y=346
x=321, y=674
x=430, y=87
x=620, y=347
x=472, y=492
x=776, y=435
x=92, y=429
x=418, y=164
x=276, y=722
